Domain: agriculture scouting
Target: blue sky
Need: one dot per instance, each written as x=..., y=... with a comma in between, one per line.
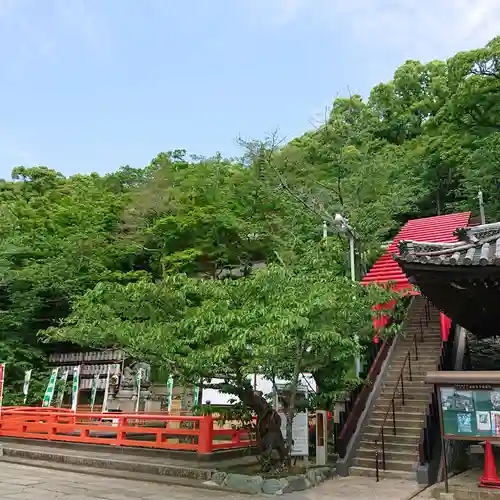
x=89, y=85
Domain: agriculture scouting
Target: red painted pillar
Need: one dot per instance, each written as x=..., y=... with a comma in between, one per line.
x=206, y=434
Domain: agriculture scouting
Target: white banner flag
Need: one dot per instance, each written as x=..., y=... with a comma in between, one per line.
x=138, y=379
x=93, y=391
x=76, y=387
x=26, y=386
x=106, y=391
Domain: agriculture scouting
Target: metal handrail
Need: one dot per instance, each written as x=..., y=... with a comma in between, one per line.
x=381, y=437
x=432, y=411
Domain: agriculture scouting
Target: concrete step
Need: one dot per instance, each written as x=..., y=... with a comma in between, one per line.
x=408, y=343
x=112, y=473
x=408, y=439
x=401, y=422
x=411, y=408
x=423, y=351
x=395, y=446
x=420, y=403
x=416, y=375
x=387, y=474
x=389, y=431
x=106, y=461
x=409, y=387
x=409, y=393
x=418, y=418
x=369, y=463
x=391, y=454
x=424, y=359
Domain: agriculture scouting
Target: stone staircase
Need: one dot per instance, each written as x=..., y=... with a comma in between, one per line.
x=402, y=449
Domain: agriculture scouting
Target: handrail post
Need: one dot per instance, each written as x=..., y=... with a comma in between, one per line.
x=383, y=449
x=427, y=442
x=421, y=331
x=409, y=364
x=416, y=345
x=376, y=461
x=205, y=438
x=402, y=390
x=393, y=418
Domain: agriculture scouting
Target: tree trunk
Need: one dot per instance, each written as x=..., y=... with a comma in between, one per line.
x=289, y=431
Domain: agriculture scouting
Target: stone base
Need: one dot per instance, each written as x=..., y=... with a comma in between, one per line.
x=151, y=406
x=126, y=405
x=272, y=486
x=447, y=496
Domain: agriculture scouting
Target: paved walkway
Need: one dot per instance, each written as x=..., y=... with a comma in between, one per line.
x=32, y=483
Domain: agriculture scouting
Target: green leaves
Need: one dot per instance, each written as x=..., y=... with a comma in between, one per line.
x=123, y=259
x=281, y=320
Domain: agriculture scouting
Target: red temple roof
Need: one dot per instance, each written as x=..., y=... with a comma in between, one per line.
x=438, y=229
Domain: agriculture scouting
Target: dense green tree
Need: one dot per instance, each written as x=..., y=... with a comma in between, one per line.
x=129, y=248
x=297, y=317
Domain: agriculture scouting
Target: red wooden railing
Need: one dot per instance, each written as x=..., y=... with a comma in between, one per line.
x=152, y=430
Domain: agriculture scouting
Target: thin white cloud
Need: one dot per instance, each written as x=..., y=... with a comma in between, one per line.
x=415, y=28
x=83, y=18
x=275, y=12
x=36, y=29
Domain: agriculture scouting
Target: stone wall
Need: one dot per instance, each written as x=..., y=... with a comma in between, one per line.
x=484, y=353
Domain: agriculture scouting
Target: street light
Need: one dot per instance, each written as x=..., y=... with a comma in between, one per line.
x=343, y=225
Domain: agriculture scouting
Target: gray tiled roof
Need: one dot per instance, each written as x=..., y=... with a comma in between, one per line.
x=477, y=246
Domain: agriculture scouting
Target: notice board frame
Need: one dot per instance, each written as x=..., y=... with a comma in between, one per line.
x=461, y=381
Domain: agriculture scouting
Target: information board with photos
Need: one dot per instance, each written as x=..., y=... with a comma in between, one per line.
x=470, y=412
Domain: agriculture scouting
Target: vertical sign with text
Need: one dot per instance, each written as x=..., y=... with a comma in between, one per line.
x=76, y=387
x=106, y=391
x=62, y=388
x=49, y=392
x=2, y=379
x=93, y=391
x=138, y=380
x=26, y=386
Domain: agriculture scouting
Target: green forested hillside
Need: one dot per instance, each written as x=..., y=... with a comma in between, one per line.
x=117, y=259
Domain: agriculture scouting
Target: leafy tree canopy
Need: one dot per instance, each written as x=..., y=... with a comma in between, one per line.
x=167, y=260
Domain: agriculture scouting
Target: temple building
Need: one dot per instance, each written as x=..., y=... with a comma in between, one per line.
x=462, y=278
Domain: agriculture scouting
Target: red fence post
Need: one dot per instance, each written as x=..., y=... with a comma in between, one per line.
x=206, y=434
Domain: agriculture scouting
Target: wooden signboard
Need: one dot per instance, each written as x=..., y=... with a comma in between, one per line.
x=470, y=413
x=469, y=404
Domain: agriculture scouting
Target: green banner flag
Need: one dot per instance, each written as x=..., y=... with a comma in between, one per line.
x=26, y=386
x=49, y=392
x=93, y=391
x=62, y=388
x=76, y=387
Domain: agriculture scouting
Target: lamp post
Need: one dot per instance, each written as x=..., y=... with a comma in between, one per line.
x=344, y=227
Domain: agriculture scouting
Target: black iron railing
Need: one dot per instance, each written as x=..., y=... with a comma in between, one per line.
x=348, y=419
x=354, y=407
x=430, y=438
x=399, y=394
